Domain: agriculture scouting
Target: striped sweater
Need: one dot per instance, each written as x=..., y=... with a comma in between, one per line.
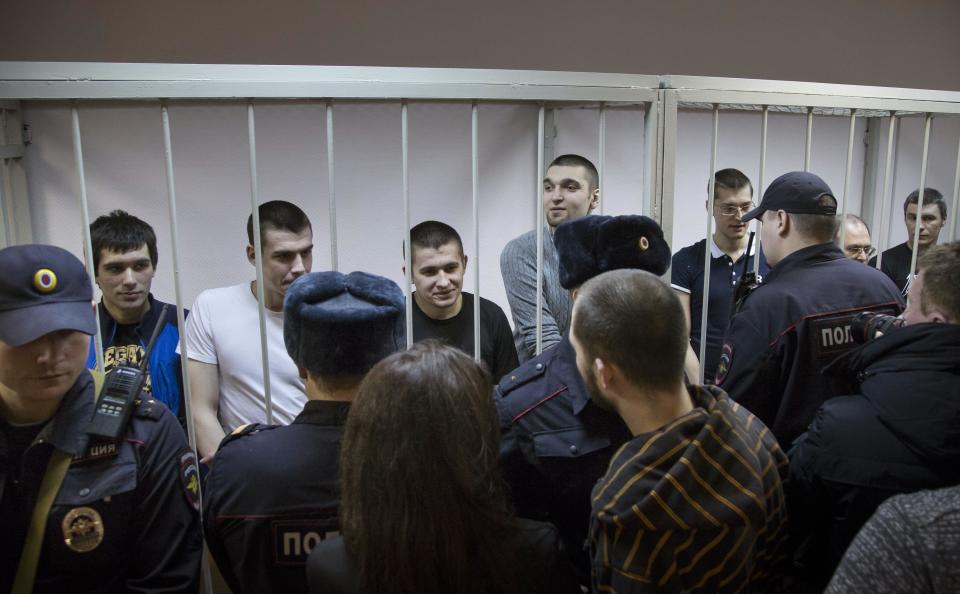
x=696, y=506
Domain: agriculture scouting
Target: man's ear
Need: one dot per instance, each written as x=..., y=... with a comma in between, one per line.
x=573, y=293
x=464, y=262
x=603, y=373
x=303, y=372
x=251, y=255
x=594, y=198
x=783, y=223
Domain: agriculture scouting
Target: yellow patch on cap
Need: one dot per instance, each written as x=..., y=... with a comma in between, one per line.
x=45, y=280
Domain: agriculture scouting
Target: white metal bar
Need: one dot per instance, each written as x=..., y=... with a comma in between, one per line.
x=405, y=188
x=665, y=209
x=538, y=217
x=12, y=151
x=927, y=124
x=178, y=295
x=881, y=103
x=886, y=199
x=758, y=193
x=846, y=178
x=475, y=175
x=85, y=220
x=601, y=153
x=332, y=191
x=6, y=221
x=258, y=261
x=808, y=140
x=956, y=198
x=707, y=257
x=60, y=80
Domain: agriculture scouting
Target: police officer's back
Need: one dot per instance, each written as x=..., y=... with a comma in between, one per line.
x=82, y=513
x=273, y=492
x=556, y=441
x=798, y=320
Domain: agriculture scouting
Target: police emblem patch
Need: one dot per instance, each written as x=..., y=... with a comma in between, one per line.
x=726, y=358
x=190, y=478
x=45, y=280
x=82, y=529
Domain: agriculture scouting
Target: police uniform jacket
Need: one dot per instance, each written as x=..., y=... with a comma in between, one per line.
x=126, y=515
x=790, y=327
x=556, y=444
x=899, y=434
x=273, y=492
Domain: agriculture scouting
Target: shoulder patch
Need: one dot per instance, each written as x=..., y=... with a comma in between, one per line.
x=520, y=376
x=190, y=478
x=723, y=366
x=148, y=408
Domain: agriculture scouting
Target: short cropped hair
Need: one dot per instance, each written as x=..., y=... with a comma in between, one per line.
x=731, y=180
x=121, y=232
x=280, y=215
x=818, y=227
x=572, y=160
x=433, y=235
x=941, y=280
x=930, y=196
x=632, y=319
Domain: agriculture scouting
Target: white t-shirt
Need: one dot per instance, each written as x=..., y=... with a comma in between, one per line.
x=224, y=329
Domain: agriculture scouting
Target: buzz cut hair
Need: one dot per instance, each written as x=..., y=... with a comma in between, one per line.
x=434, y=235
x=731, y=180
x=571, y=160
x=930, y=196
x=120, y=232
x=280, y=215
x=941, y=280
x=633, y=320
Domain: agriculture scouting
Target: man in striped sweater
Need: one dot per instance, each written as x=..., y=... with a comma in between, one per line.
x=694, y=502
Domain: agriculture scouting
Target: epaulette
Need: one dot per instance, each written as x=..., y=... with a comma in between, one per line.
x=244, y=430
x=520, y=376
x=148, y=408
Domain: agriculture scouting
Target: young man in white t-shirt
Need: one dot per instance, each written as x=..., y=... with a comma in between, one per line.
x=223, y=339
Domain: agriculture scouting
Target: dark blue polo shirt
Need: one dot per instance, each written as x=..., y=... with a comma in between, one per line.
x=686, y=275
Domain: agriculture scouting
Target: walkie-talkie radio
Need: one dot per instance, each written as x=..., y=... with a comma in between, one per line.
x=122, y=386
x=748, y=281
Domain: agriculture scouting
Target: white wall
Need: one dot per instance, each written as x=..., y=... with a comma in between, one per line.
x=124, y=169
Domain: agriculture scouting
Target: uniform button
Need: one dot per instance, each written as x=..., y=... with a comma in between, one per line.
x=513, y=378
x=574, y=449
x=539, y=366
x=84, y=492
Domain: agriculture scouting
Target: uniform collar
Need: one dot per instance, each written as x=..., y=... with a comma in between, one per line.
x=67, y=430
x=565, y=366
x=323, y=412
x=812, y=254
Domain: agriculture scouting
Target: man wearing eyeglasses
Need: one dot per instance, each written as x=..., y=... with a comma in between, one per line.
x=732, y=198
x=856, y=239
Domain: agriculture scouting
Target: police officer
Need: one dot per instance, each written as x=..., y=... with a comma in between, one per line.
x=80, y=513
x=556, y=440
x=273, y=491
x=798, y=320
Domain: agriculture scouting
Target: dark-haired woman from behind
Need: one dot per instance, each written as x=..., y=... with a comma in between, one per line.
x=423, y=507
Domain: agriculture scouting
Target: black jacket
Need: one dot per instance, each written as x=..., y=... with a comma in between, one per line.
x=556, y=444
x=900, y=434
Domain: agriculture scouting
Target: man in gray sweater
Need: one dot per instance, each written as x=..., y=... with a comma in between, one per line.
x=570, y=190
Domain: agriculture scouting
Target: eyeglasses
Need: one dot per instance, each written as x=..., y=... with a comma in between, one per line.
x=867, y=251
x=729, y=210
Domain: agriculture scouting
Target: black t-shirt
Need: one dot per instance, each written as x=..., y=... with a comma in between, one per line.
x=896, y=265
x=497, y=350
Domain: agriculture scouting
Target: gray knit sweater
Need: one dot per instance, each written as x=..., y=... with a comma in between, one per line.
x=911, y=544
x=518, y=265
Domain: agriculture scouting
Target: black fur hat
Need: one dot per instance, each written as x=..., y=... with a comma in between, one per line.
x=594, y=244
x=338, y=324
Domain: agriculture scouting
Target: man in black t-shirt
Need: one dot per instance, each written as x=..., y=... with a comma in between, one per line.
x=895, y=262
x=441, y=309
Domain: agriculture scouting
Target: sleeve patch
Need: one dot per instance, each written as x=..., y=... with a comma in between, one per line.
x=190, y=478
x=723, y=366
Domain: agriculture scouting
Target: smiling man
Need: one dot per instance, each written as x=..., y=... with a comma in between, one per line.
x=571, y=190
x=125, y=260
x=441, y=309
x=223, y=338
x=895, y=262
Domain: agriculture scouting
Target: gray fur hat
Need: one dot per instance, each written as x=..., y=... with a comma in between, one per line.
x=338, y=324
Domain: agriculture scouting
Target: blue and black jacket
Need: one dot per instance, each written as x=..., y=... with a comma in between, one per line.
x=166, y=377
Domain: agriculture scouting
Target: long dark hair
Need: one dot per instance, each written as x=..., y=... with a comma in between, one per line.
x=423, y=505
